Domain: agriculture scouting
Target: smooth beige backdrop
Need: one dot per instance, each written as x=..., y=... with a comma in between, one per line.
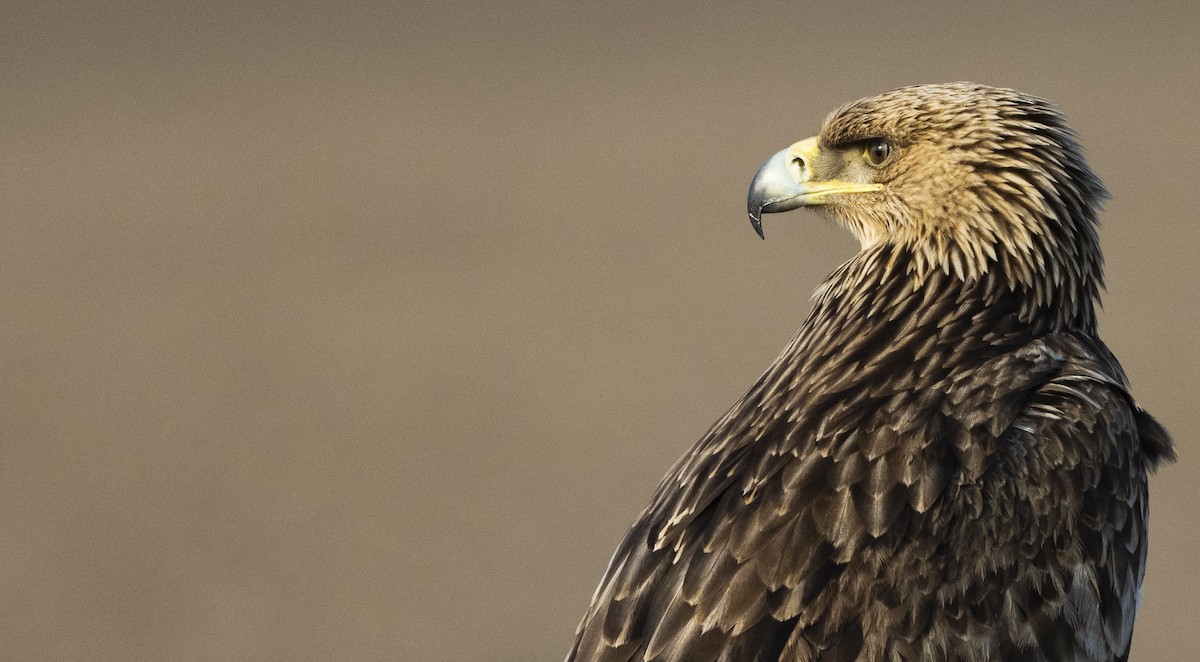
x=363, y=331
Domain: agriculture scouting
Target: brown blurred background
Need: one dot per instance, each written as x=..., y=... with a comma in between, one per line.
x=363, y=331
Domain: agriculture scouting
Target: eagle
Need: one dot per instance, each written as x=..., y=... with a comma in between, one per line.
x=945, y=462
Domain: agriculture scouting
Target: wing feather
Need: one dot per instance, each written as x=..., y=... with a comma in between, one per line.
x=999, y=513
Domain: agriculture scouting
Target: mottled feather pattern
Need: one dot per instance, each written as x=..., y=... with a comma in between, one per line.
x=940, y=465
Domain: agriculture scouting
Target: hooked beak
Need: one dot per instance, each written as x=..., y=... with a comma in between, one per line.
x=785, y=182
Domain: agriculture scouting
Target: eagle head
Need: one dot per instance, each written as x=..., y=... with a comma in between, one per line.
x=966, y=178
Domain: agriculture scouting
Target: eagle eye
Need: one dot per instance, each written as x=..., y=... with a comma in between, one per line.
x=878, y=152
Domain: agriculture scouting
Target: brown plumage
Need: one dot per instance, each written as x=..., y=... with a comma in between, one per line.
x=945, y=462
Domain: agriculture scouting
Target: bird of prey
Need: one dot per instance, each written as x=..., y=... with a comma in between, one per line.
x=945, y=463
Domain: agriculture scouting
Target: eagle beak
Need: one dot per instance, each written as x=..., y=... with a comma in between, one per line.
x=785, y=182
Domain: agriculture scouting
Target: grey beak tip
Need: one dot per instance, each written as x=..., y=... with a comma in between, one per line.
x=772, y=189
x=756, y=223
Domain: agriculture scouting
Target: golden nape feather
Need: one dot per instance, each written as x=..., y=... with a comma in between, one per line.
x=945, y=463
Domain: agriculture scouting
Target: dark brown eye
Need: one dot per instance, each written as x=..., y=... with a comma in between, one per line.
x=878, y=151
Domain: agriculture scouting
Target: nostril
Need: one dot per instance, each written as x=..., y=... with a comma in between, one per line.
x=799, y=168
